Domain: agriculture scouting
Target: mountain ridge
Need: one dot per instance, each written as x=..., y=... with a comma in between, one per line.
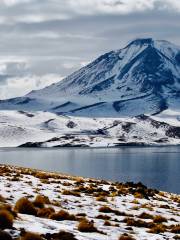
x=145, y=73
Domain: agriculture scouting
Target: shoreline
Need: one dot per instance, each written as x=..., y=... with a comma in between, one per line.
x=73, y=176
x=141, y=145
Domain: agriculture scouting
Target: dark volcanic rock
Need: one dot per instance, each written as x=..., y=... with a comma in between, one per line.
x=127, y=126
x=31, y=144
x=71, y=124
x=173, y=132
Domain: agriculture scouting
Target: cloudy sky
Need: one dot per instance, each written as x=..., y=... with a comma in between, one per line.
x=41, y=41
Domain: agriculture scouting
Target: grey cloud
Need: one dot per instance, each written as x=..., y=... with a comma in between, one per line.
x=58, y=37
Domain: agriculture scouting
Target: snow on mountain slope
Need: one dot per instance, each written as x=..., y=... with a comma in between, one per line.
x=44, y=129
x=146, y=73
x=169, y=116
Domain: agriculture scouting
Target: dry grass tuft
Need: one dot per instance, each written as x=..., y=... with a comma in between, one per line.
x=6, y=219
x=126, y=237
x=101, y=199
x=62, y=235
x=165, y=206
x=175, y=229
x=86, y=226
x=138, y=195
x=145, y=215
x=158, y=228
x=107, y=223
x=40, y=201
x=70, y=192
x=81, y=214
x=24, y=206
x=45, y=212
x=137, y=223
x=147, y=206
x=42, y=175
x=79, y=181
x=62, y=215
x=135, y=201
x=159, y=219
x=8, y=207
x=2, y=199
x=105, y=209
x=104, y=217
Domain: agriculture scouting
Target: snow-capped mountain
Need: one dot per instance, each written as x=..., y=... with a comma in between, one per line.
x=142, y=78
x=135, y=91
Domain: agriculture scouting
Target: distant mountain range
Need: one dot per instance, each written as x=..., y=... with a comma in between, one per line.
x=142, y=78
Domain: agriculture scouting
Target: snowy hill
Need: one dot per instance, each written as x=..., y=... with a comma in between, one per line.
x=44, y=129
x=142, y=78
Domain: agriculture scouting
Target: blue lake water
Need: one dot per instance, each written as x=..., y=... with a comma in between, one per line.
x=157, y=167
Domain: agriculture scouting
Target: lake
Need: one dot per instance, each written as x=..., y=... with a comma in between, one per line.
x=157, y=167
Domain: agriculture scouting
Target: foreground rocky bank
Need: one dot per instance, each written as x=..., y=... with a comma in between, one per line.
x=37, y=205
